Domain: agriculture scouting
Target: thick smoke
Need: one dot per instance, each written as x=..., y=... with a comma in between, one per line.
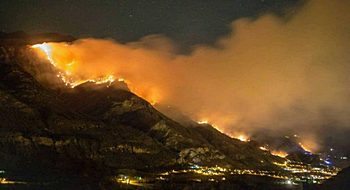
x=268, y=73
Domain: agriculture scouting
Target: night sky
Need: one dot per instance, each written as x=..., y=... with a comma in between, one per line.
x=186, y=22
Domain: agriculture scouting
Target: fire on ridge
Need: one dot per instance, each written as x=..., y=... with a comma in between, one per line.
x=240, y=136
x=67, y=61
x=65, y=76
x=64, y=60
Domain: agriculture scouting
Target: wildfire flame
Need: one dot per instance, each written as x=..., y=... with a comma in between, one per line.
x=241, y=137
x=203, y=122
x=233, y=77
x=275, y=152
x=263, y=148
x=109, y=79
x=304, y=147
x=63, y=60
x=47, y=50
x=279, y=153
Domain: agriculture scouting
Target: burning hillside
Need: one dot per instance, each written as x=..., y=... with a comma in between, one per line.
x=70, y=61
x=264, y=99
x=97, y=131
x=264, y=75
x=286, y=86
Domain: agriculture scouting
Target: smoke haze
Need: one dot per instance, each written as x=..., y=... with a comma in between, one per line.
x=269, y=73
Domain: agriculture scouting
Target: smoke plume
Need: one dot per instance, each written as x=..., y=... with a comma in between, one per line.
x=267, y=73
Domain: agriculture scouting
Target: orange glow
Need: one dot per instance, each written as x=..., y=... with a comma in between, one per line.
x=241, y=137
x=217, y=128
x=46, y=49
x=229, y=81
x=279, y=153
x=103, y=80
x=304, y=147
x=69, y=64
x=65, y=64
x=275, y=152
x=309, y=143
x=263, y=148
x=203, y=122
x=206, y=122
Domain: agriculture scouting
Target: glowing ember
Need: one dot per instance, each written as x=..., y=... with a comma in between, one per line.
x=203, y=122
x=217, y=128
x=242, y=137
x=206, y=122
x=304, y=147
x=263, y=148
x=103, y=80
x=279, y=153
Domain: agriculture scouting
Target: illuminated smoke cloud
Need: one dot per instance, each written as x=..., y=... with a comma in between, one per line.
x=268, y=73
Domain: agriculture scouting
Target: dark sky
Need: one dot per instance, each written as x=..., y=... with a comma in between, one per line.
x=187, y=22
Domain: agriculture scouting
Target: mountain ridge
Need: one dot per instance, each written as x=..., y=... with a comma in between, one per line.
x=95, y=132
x=91, y=109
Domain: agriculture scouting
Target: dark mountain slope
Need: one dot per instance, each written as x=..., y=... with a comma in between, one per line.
x=38, y=127
x=242, y=152
x=93, y=130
